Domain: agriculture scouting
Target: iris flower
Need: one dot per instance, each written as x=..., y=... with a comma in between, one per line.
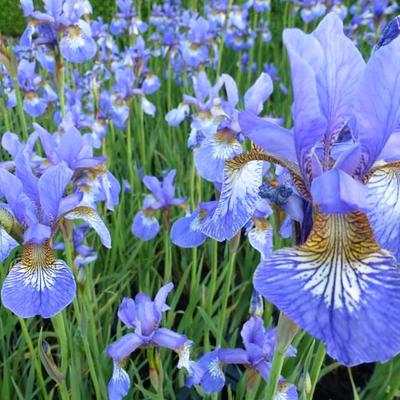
x=343, y=284
x=144, y=316
x=34, y=211
x=145, y=225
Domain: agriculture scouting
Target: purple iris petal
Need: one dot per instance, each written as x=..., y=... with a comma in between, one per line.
x=52, y=185
x=124, y=346
x=177, y=115
x=145, y=226
x=42, y=290
x=185, y=231
x=260, y=237
x=258, y=94
x=337, y=192
x=340, y=287
x=119, y=384
x=340, y=71
x=76, y=45
x=126, y=312
x=237, y=202
x=264, y=369
x=378, y=101
x=207, y=372
x=210, y=157
x=306, y=58
x=166, y=338
x=90, y=216
x=268, y=135
x=161, y=297
x=384, y=203
x=7, y=244
x=233, y=356
x=34, y=105
x=37, y=233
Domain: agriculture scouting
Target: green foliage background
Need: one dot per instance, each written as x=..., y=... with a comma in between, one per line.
x=12, y=21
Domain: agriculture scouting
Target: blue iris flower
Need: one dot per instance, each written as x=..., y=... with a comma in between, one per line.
x=340, y=286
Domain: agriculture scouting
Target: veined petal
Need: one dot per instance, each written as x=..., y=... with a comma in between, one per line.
x=237, y=202
x=38, y=285
x=340, y=287
x=260, y=237
x=93, y=219
x=339, y=74
x=7, y=244
x=185, y=231
x=145, y=226
x=384, y=203
x=210, y=157
x=377, y=107
x=306, y=58
x=119, y=384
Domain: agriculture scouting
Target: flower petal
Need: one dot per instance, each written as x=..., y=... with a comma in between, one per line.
x=185, y=231
x=384, y=203
x=210, y=157
x=337, y=192
x=238, y=200
x=340, y=287
x=52, y=185
x=44, y=290
x=93, y=219
x=7, y=244
x=166, y=338
x=119, y=384
x=124, y=346
x=378, y=101
x=270, y=136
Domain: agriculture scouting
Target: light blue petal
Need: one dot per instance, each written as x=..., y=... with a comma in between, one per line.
x=340, y=287
x=237, y=202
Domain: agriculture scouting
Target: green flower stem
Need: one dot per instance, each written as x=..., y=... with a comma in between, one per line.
x=100, y=394
x=20, y=110
x=276, y=369
x=316, y=368
x=34, y=357
x=226, y=292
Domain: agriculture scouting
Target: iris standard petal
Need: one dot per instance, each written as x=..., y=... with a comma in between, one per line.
x=38, y=285
x=340, y=287
x=51, y=186
x=90, y=216
x=124, y=346
x=339, y=73
x=377, y=108
x=384, y=203
x=127, y=312
x=161, y=297
x=237, y=202
x=258, y=94
x=306, y=58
